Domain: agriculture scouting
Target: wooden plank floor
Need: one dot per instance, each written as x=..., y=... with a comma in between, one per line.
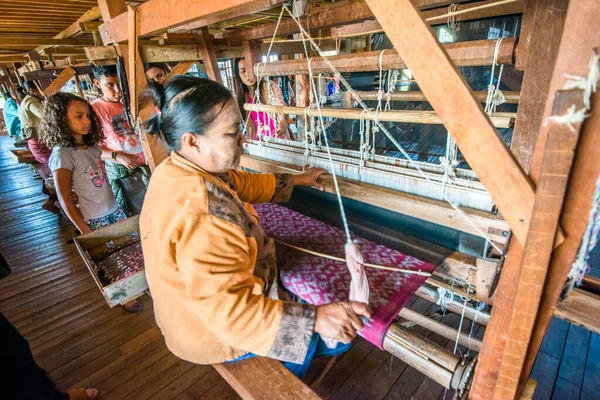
x=568, y=363
x=51, y=298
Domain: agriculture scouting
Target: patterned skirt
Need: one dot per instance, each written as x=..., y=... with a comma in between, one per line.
x=97, y=223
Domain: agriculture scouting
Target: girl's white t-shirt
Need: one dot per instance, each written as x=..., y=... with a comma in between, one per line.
x=90, y=181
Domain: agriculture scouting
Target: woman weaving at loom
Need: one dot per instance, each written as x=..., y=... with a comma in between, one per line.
x=210, y=266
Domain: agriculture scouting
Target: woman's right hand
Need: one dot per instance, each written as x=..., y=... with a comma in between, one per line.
x=128, y=160
x=340, y=321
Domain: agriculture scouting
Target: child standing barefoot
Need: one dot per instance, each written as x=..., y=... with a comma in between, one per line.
x=71, y=128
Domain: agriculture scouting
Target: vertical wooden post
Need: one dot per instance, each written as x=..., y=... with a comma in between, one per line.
x=16, y=67
x=252, y=52
x=207, y=52
x=133, y=59
x=542, y=49
x=154, y=148
x=79, y=88
x=573, y=54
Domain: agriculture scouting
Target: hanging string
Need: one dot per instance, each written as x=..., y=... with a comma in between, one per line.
x=453, y=24
x=495, y=97
x=462, y=318
x=260, y=74
x=357, y=98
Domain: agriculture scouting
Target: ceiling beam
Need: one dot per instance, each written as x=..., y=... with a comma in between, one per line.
x=25, y=42
x=157, y=16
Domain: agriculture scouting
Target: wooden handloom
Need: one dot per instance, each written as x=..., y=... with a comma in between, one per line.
x=539, y=190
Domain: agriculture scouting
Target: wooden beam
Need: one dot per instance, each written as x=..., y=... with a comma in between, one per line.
x=415, y=117
x=543, y=50
x=581, y=308
x=74, y=28
x=437, y=212
x=89, y=26
x=51, y=74
x=529, y=121
x=549, y=197
x=420, y=353
x=181, y=68
x=357, y=11
x=573, y=58
x=264, y=378
x=154, y=53
x=440, y=329
x=252, y=52
x=64, y=77
x=160, y=15
x=472, y=53
x=208, y=56
x=462, y=114
x=432, y=295
x=414, y=95
x=134, y=60
x=579, y=38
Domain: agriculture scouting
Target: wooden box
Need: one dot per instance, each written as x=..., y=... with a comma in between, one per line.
x=92, y=245
x=23, y=156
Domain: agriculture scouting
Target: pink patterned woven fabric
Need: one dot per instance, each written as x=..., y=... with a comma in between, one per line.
x=318, y=280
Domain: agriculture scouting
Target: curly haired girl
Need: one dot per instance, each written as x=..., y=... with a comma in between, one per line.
x=70, y=126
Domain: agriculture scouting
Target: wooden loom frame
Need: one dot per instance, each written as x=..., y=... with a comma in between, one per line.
x=503, y=176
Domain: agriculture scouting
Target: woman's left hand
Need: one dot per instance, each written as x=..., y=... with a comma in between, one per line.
x=309, y=177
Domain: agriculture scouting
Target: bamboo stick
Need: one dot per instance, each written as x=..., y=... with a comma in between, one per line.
x=414, y=117
x=327, y=256
x=413, y=95
x=440, y=329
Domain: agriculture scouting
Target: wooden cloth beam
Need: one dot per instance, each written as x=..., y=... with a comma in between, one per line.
x=460, y=111
x=463, y=54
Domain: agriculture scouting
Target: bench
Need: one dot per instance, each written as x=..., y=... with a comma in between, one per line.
x=43, y=172
x=262, y=378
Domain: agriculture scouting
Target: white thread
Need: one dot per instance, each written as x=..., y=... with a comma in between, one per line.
x=495, y=97
x=392, y=139
x=571, y=118
x=445, y=298
x=462, y=318
x=588, y=84
x=453, y=24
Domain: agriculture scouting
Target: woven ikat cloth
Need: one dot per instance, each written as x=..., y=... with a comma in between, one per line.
x=318, y=280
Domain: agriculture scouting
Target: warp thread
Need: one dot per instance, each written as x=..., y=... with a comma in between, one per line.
x=581, y=265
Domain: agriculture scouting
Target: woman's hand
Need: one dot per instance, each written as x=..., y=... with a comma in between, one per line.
x=340, y=321
x=309, y=177
x=128, y=160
